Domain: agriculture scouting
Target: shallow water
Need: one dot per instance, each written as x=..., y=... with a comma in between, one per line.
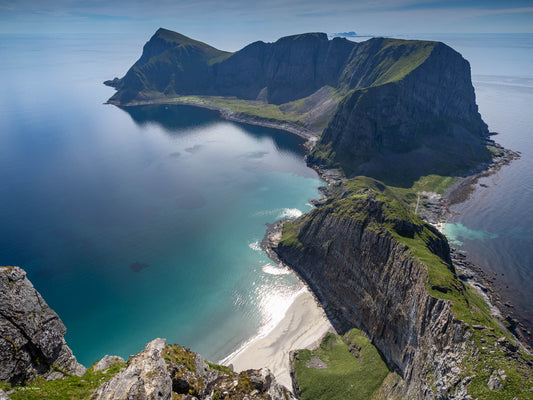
x=141, y=222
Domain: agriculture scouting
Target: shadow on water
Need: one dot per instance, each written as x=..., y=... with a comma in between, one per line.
x=175, y=119
x=172, y=118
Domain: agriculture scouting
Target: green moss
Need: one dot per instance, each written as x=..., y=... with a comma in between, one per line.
x=290, y=235
x=244, y=385
x=73, y=387
x=393, y=68
x=220, y=368
x=353, y=369
x=179, y=355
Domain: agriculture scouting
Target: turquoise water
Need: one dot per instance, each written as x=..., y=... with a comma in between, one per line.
x=144, y=222
x=457, y=232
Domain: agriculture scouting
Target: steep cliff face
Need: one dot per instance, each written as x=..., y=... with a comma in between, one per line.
x=417, y=118
x=348, y=252
x=169, y=62
x=32, y=340
x=293, y=67
x=374, y=265
x=289, y=69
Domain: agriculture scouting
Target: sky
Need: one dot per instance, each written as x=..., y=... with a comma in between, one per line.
x=231, y=24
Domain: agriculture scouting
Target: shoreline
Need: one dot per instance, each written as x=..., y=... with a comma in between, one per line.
x=437, y=211
x=302, y=327
x=227, y=114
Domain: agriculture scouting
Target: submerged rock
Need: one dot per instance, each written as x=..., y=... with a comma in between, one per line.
x=32, y=340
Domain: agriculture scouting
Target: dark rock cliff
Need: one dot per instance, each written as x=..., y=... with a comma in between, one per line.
x=424, y=122
x=349, y=253
x=289, y=69
x=32, y=340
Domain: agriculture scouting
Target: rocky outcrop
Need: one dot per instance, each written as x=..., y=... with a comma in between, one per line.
x=32, y=340
x=145, y=377
x=350, y=254
x=164, y=372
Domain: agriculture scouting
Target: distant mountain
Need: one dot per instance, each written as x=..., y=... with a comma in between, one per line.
x=388, y=108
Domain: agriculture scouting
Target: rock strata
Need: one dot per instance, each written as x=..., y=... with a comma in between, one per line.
x=377, y=267
x=32, y=340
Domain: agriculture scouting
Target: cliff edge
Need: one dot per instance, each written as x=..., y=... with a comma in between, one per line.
x=32, y=340
x=374, y=265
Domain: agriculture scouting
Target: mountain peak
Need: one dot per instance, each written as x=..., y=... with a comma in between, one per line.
x=320, y=36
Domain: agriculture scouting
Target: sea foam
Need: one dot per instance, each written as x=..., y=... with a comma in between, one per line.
x=275, y=270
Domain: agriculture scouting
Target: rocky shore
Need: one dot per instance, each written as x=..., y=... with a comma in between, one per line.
x=436, y=210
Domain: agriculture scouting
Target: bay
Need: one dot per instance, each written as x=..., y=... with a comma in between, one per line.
x=142, y=222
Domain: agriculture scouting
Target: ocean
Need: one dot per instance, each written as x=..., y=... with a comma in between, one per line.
x=145, y=222
x=142, y=222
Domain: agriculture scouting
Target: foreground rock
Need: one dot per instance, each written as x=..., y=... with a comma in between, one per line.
x=163, y=372
x=145, y=377
x=32, y=340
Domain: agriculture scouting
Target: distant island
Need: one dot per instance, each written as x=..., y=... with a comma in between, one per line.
x=392, y=124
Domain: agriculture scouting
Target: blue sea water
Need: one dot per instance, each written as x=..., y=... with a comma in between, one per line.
x=143, y=222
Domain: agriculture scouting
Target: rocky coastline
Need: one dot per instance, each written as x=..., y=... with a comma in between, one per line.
x=436, y=210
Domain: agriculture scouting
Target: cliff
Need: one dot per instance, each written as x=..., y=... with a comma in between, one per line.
x=32, y=340
x=407, y=124
x=391, y=109
x=375, y=266
x=289, y=69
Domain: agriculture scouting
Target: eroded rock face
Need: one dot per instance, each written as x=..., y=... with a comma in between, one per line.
x=164, y=372
x=145, y=377
x=32, y=340
x=366, y=278
x=427, y=122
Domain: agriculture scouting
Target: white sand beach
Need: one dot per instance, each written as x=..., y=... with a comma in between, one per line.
x=303, y=326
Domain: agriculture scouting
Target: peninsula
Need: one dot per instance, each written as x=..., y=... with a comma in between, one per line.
x=387, y=120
